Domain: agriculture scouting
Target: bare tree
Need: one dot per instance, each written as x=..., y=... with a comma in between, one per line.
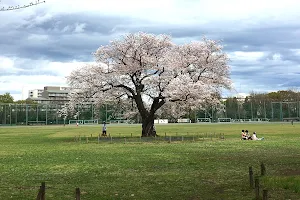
x=151, y=71
x=16, y=7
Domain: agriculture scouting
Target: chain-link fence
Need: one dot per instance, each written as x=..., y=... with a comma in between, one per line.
x=235, y=111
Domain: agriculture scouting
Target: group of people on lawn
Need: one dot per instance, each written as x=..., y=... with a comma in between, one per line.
x=247, y=136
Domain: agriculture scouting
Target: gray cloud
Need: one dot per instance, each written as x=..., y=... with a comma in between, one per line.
x=67, y=37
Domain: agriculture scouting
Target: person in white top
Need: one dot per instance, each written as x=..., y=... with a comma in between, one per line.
x=104, y=129
x=254, y=137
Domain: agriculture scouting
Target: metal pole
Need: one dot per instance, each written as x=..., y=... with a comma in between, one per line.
x=106, y=112
x=251, y=109
x=37, y=113
x=298, y=108
x=212, y=114
x=16, y=114
x=5, y=114
x=289, y=109
x=272, y=111
x=281, y=111
x=26, y=114
x=56, y=109
x=10, y=114
x=92, y=112
x=265, y=110
x=46, y=114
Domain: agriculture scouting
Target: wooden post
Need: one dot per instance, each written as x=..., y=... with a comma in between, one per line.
x=124, y=140
x=77, y=194
x=262, y=169
x=265, y=194
x=251, y=177
x=256, y=189
x=41, y=195
x=182, y=138
x=111, y=139
x=193, y=138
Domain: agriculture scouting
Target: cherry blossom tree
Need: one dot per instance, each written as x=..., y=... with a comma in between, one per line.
x=150, y=71
x=17, y=7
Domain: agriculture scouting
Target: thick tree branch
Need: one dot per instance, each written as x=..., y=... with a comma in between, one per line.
x=9, y=8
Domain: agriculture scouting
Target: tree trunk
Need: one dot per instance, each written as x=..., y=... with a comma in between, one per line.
x=147, y=127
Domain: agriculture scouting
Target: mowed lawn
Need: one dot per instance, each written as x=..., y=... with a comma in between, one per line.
x=209, y=168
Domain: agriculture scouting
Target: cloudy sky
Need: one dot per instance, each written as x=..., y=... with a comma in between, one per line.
x=41, y=45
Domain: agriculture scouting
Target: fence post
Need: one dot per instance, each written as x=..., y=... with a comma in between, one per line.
x=124, y=139
x=251, y=177
x=182, y=138
x=265, y=194
x=262, y=169
x=43, y=191
x=77, y=194
x=256, y=189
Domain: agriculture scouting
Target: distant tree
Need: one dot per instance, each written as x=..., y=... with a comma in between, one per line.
x=16, y=7
x=232, y=107
x=27, y=101
x=152, y=72
x=6, y=98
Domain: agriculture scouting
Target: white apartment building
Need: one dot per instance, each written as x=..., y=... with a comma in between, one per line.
x=35, y=93
x=50, y=95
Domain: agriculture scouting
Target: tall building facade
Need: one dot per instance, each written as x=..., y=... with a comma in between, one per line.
x=50, y=95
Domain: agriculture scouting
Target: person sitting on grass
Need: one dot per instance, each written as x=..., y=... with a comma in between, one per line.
x=244, y=137
x=248, y=137
x=254, y=137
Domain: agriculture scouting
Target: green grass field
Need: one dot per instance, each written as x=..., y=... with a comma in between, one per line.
x=209, y=168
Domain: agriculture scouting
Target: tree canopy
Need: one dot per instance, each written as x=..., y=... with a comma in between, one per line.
x=6, y=98
x=150, y=71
